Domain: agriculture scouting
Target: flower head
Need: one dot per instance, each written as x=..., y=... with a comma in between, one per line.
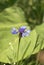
x=22, y=31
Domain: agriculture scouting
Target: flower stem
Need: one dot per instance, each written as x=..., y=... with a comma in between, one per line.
x=18, y=49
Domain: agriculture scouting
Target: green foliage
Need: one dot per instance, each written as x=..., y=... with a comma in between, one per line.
x=6, y=3
x=16, y=13
x=12, y=15
x=33, y=10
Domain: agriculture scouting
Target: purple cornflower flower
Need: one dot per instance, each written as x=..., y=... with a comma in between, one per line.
x=22, y=31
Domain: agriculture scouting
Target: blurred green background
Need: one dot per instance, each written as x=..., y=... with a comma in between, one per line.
x=17, y=13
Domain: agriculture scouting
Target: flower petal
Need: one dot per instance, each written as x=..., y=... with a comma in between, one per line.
x=26, y=33
x=14, y=31
x=22, y=29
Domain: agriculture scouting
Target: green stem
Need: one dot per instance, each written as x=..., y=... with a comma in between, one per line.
x=18, y=50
